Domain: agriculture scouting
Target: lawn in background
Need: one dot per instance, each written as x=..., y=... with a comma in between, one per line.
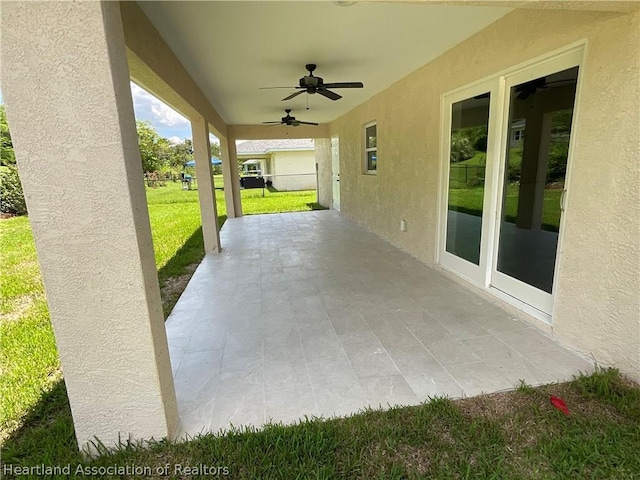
x=469, y=200
x=28, y=353
x=466, y=190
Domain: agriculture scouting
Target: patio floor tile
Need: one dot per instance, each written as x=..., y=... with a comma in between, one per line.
x=309, y=314
x=288, y=406
x=367, y=356
x=388, y=390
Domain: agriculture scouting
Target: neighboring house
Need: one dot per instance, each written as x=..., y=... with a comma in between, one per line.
x=517, y=132
x=289, y=164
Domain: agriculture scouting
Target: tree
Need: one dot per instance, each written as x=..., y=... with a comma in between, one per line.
x=559, y=147
x=215, y=150
x=7, y=156
x=181, y=153
x=155, y=151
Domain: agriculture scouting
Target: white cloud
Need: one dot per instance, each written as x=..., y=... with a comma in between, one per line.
x=175, y=140
x=167, y=116
x=165, y=119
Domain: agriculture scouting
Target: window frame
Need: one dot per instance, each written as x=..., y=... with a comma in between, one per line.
x=518, y=135
x=367, y=171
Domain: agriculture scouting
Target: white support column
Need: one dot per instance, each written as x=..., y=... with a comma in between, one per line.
x=206, y=187
x=66, y=84
x=231, y=178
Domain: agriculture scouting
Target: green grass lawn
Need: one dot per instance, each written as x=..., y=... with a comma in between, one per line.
x=28, y=354
x=516, y=434
x=465, y=174
x=469, y=200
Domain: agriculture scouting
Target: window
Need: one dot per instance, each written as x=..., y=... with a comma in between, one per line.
x=371, y=148
x=518, y=135
x=252, y=167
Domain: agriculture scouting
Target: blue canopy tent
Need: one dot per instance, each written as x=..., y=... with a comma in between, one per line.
x=214, y=161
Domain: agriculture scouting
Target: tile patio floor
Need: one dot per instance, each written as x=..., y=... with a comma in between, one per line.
x=309, y=314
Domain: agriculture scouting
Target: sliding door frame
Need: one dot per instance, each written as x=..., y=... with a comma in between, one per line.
x=531, y=300
x=477, y=274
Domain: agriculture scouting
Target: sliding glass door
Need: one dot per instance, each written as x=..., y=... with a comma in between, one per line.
x=506, y=148
x=535, y=164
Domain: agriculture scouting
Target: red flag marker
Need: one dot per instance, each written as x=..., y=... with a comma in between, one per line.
x=559, y=404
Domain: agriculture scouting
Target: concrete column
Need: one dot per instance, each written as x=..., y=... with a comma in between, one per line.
x=325, y=174
x=66, y=84
x=206, y=187
x=231, y=178
x=535, y=158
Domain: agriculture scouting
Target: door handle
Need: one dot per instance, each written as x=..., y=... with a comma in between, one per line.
x=562, y=197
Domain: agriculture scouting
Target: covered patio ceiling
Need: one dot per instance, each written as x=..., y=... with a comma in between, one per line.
x=231, y=49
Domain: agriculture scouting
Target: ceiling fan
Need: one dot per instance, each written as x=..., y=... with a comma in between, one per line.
x=289, y=120
x=525, y=90
x=311, y=84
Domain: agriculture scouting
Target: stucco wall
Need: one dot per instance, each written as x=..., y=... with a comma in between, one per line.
x=93, y=239
x=294, y=170
x=596, y=300
x=323, y=160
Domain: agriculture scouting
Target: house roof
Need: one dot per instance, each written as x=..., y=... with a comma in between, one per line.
x=254, y=147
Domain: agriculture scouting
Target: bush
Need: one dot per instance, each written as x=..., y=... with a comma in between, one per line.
x=11, y=195
x=461, y=148
x=558, y=153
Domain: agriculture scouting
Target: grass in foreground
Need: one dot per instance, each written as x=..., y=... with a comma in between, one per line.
x=507, y=435
x=28, y=353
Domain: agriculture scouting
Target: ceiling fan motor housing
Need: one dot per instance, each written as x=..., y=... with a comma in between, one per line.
x=288, y=119
x=310, y=81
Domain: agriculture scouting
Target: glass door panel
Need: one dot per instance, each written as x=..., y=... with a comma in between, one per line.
x=467, y=166
x=539, y=130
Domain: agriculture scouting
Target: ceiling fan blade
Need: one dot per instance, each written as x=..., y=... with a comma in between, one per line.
x=293, y=95
x=329, y=94
x=271, y=88
x=344, y=85
x=307, y=123
x=266, y=123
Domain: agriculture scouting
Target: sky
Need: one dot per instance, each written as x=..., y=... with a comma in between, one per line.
x=167, y=122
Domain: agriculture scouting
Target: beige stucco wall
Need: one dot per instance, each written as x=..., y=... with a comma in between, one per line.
x=596, y=300
x=74, y=113
x=294, y=170
x=323, y=160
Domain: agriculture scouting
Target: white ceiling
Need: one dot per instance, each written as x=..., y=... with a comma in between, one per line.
x=233, y=48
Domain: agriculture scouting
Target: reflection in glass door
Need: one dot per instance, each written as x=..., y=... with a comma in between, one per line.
x=539, y=121
x=467, y=166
